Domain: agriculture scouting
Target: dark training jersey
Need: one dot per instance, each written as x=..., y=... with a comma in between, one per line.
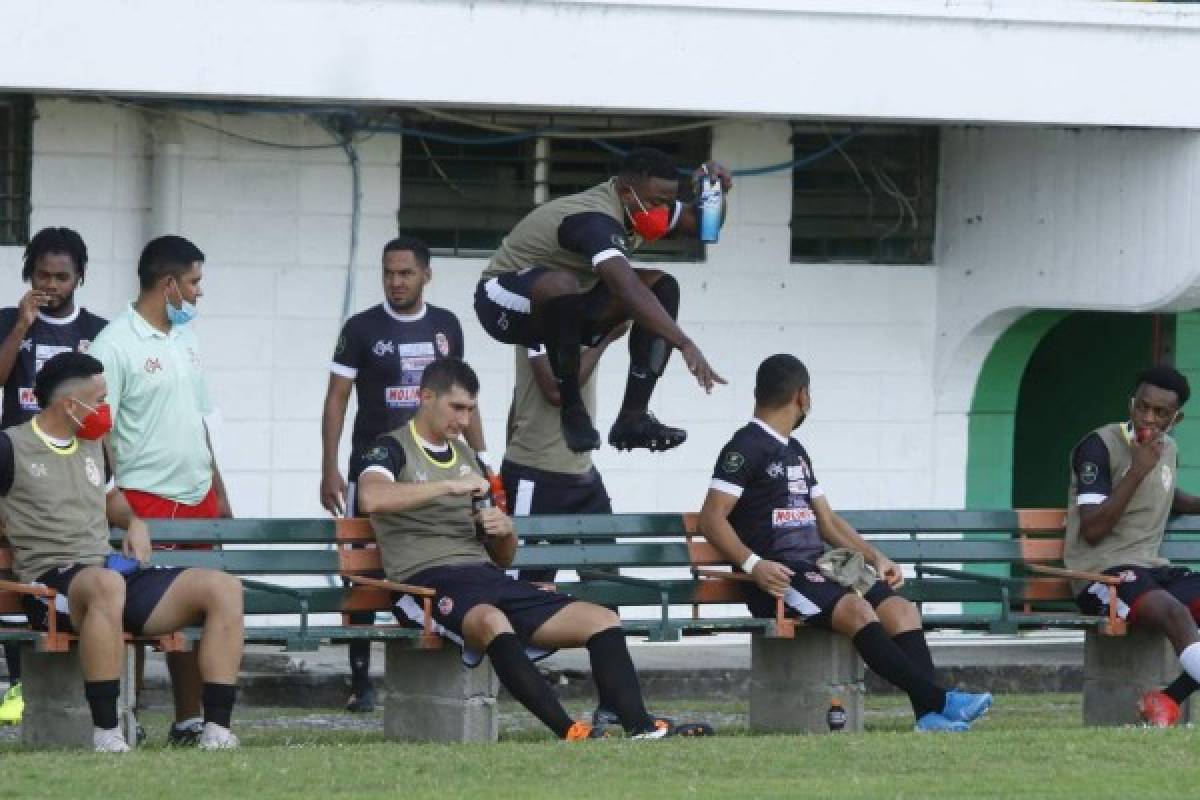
x=773, y=481
x=385, y=354
x=47, y=337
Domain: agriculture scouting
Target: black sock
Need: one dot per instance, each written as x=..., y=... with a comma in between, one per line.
x=360, y=657
x=1181, y=688
x=561, y=325
x=102, y=699
x=12, y=654
x=648, y=352
x=617, y=686
x=518, y=674
x=218, y=699
x=890, y=663
x=917, y=649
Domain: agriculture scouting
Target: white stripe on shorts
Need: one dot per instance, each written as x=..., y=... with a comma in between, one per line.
x=524, y=501
x=504, y=298
x=798, y=602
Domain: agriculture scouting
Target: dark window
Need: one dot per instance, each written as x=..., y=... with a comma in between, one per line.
x=872, y=200
x=16, y=128
x=464, y=198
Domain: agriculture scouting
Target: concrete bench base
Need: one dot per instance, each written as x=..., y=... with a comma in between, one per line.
x=56, y=711
x=1117, y=670
x=793, y=681
x=431, y=696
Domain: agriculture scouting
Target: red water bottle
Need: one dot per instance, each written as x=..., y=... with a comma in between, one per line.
x=499, y=498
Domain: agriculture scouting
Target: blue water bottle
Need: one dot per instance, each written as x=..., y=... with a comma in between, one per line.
x=710, y=205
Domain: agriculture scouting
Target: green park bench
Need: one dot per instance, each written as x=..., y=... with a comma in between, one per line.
x=986, y=562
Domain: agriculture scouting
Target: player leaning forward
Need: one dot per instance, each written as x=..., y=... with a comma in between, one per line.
x=765, y=511
x=58, y=504
x=417, y=485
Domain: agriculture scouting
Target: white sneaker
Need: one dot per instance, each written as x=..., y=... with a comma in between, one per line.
x=661, y=730
x=111, y=741
x=217, y=738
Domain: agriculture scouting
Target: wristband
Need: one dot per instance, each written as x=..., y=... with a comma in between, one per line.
x=750, y=562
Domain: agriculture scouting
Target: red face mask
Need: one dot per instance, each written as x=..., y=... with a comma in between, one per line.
x=652, y=224
x=95, y=424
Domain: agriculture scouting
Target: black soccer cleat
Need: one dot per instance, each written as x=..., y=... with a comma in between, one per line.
x=186, y=735
x=644, y=431
x=577, y=429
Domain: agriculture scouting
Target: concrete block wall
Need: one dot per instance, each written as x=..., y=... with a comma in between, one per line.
x=274, y=224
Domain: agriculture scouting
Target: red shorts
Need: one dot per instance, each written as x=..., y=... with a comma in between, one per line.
x=151, y=506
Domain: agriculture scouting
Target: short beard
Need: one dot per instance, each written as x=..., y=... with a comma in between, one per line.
x=408, y=309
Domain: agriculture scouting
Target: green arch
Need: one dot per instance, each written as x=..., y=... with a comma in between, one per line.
x=991, y=422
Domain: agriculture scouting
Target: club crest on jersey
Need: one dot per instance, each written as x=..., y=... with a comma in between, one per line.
x=1088, y=473
x=92, y=471
x=383, y=347
x=733, y=461
x=27, y=399
x=445, y=605
x=377, y=454
x=38, y=470
x=152, y=365
x=443, y=344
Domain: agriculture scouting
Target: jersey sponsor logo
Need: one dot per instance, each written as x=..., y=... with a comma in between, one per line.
x=383, y=347
x=775, y=470
x=415, y=349
x=27, y=400
x=443, y=344
x=38, y=470
x=792, y=517
x=799, y=486
x=796, y=472
x=152, y=365
x=445, y=605
x=402, y=396
x=1088, y=473
x=92, y=471
x=733, y=461
x=44, y=352
x=1166, y=476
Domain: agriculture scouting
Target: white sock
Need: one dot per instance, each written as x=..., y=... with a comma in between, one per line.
x=1190, y=660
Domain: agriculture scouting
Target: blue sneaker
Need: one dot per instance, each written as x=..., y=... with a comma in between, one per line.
x=936, y=722
x=966, y=707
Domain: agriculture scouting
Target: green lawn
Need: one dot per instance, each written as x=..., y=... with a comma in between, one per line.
x=1031, y=746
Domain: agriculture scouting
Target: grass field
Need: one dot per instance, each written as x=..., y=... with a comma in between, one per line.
x=1031, y=746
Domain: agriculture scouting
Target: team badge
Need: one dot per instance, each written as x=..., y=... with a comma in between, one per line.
x=815, y=577
x=92, y=471
x=1166, y=476
x=377, y=454
x=38, y=470
x=1088, y=473
x=733, y=461
x=445, y=605
x=152, y=365
x=443, y=344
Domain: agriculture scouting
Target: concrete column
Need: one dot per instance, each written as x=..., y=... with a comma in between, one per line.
x=793, y=681
x=56, y=712
x=431, y=696
x=1117, y=670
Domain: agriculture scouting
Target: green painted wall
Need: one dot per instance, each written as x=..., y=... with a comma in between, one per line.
x=1079, y=377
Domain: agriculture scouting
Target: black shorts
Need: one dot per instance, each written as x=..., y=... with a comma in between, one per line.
x=504, y=306
x=532, y=492
x=1180, y=582
x=812, y=596
x=461, y=587
x=144, y=589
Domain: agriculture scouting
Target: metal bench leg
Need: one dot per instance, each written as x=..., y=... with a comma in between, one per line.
x=128, y=699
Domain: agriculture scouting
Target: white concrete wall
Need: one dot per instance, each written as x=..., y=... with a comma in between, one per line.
x=1018, y=61
x=1051, y=218
x=275, y=225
